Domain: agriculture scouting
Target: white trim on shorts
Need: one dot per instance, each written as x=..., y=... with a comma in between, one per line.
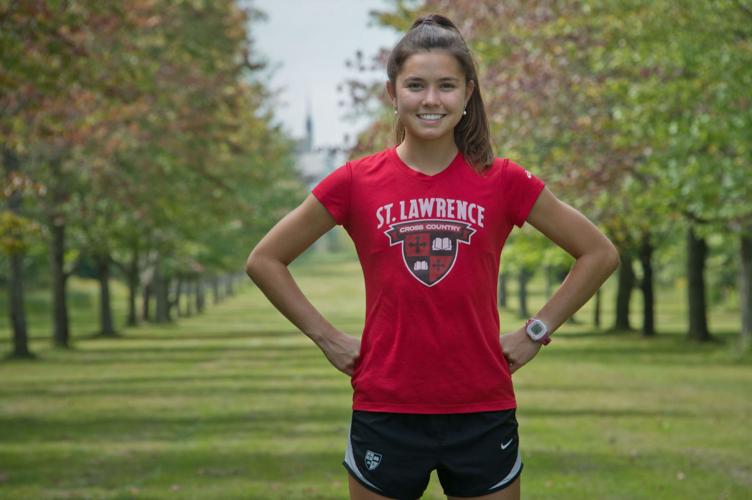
x=350, y=461
x=512, y=473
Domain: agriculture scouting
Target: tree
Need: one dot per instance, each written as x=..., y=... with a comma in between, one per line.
x=640, y=126
x=149, y=144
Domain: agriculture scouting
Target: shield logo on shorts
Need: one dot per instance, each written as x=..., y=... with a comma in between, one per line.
x=373, y=459
x=429, y=247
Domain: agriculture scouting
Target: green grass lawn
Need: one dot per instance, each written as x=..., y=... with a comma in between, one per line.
x=237, y=404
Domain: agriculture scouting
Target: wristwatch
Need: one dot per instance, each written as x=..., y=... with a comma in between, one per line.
x=538, y=331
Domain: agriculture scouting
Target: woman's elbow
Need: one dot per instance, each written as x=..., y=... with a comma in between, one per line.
x=259, y=262
x=611, y=258
x=253, y=264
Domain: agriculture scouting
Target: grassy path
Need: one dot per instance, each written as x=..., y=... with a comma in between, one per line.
x=237, y=404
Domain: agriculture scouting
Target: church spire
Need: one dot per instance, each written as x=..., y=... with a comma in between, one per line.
x=309, y=124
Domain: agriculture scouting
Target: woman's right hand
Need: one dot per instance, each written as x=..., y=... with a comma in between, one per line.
x=267, y=267
x=342, y=351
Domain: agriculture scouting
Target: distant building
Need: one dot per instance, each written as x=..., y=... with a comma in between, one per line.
x=313, y=164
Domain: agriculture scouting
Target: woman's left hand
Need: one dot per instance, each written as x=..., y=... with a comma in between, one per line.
x=518, y=348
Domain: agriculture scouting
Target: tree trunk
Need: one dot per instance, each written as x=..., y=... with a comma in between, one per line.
x=162, y=314
x=333, y=244
x=200, y=296
x=15, y=279
x=696, y=254
x=597, y=310
x=146, y=300
x=177, y=295
x=132, y=319
x=17, y=310
x=189, y=294
x=61, y=327
x=745, y=291
x=60, y=322
x=522, y=277
x=550, y=270
x=648, y=310
x=215, y=290
x=228, y=285
x=503, y=277
x=169, y=301
x=624, y=292
x=560, y=274
x=107, y=329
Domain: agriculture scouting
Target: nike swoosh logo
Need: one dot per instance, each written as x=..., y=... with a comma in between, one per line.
x=504, y=446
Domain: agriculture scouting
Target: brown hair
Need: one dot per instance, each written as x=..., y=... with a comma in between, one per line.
x=437, y=32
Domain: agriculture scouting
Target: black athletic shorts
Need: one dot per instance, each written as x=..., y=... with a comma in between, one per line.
x=393, y=454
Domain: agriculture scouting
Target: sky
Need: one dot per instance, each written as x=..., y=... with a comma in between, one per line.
x=307, y=43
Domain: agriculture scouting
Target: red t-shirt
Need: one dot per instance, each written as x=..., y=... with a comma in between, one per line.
x=429, y=246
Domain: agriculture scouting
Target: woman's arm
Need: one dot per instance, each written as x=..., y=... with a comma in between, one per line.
x=267, y=267
x=597, y=259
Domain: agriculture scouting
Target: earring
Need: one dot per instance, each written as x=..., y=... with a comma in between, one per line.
x=464, y=112
x=395, y=111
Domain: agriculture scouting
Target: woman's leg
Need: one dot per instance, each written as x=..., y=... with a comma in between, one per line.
x=511, y=492
x=360, y=492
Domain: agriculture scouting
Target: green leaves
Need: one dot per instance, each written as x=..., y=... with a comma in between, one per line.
x=147, y=108
x=637, y=112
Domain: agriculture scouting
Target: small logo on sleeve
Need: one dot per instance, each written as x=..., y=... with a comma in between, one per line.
x=373, y=459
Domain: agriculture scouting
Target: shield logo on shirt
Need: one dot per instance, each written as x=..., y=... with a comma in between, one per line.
x=429, y=247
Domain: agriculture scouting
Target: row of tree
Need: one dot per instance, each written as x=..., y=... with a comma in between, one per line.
x=637, y=112
x=135, y=138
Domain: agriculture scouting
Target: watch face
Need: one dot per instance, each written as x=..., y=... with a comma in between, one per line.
x=536, y=328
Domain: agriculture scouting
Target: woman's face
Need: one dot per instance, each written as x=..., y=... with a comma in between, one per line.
x=430, y=95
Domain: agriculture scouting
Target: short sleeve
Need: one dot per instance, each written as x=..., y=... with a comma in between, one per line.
x=521, y=190
x=333, y=191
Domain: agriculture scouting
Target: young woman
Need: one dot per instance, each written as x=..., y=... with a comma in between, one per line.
x=432, y=378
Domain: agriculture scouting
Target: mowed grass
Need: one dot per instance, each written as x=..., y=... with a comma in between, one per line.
x=237, y=404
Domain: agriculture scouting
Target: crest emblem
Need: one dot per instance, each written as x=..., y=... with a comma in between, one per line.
x=373, y=459
x=429, y=247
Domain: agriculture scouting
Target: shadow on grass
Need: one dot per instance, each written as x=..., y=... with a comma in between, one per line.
x=176, y=354
x=157, y=334
x=603, y=334
x=679, y=336
x=183, y=419
x=227, y=335
x=173, y=387
x=309, y=373
x=273, y=423
x=600, y=413
x=302, y=472
x=176, y=471
x=672, y=348
x=176, y=461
